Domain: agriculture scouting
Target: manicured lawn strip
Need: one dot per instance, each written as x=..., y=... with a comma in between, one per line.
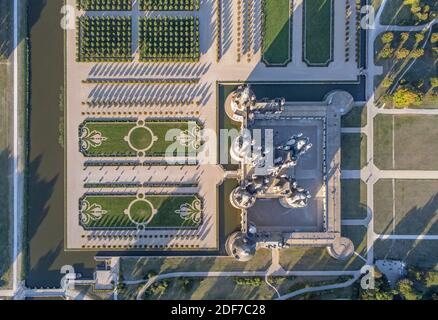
x=416, y=143
x=306, y=258
x=416, y=146
x=115, y=132
x=104, y=5
x=422, y=254
x=169, y=5
x=116, y=205
x=415, y=207
x=383, y=141
x=169, y=39
x=354, y=199
x=383, y=215
x=318, y=32
x=139, y=268
x=277, y=40
x=356, y=118
x=353, y=151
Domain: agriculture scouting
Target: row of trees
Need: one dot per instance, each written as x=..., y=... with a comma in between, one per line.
x=104, y=5
x=169, y=5
x=104, y=39
x=422, y=11
x=395, y=48
x=169, y=39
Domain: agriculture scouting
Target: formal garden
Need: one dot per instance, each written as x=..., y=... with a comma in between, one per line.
x=104, y=39
x=104, y=5
x=116, y=211
x=318, y=36
x=277, y=32
x=139, y=139
x=168, y=39
x=409, y=61
x=169, y=5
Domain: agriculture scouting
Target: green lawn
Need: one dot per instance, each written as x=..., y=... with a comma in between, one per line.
x=225, y=288
x=318, y=32
x=277, y=40
x=356, y=118
x=421, y=254
x=5, y=181
x=416, y=203
x=140, y=268
x=396, y=13
x=353, y=199
x=306, y=258
x=111, y=211
x=353, y=151
x=415, y=143
x=127, y=139
x=5, y=147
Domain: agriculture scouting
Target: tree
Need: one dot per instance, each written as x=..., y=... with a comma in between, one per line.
x=417, y=53
x=419, y=37
x=386, y=52
x=387, y=37
x=404, y=36
x=434, y=37
x=406, y=289
x=434, y=82
x=402, y=53
x=405, y=97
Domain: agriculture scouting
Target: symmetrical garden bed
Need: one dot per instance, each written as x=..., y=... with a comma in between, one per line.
x=103, y=39
x=104, y=5
x=169, y=5
x=142, y=211
x=277, y=33
x=169, y=39
x=318, y=31
x=141, y=138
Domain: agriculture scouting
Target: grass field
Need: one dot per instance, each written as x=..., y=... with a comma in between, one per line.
x=356, y=118
x=140, y=268
x=277, y=40
x=5, y=150
x=230, y=216
x=318, y=32
x=353, y=151
x=116, y=138
x=396, y=13
x=416, y=207
x=415, y=143
x=421, y=254
x=354, y=199
x=151, y=211
x=226, y=288
x=305, y=258
x=5, y=181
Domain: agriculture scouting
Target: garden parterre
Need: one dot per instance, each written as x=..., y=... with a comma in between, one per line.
x=141, y=138
x=142, y=211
